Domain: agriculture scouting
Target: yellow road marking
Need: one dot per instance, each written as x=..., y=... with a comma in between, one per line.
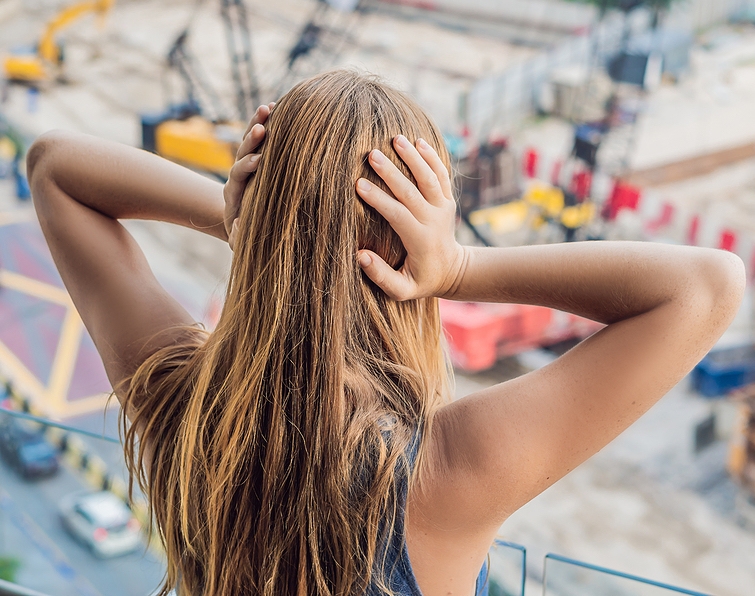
x=64, y=362
x=94, y=403
x=33, y=287
x=20, y=373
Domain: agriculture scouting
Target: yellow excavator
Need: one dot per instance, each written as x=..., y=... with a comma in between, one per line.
x=43, y=63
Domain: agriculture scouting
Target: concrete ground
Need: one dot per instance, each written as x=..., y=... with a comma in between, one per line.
x=646, y=504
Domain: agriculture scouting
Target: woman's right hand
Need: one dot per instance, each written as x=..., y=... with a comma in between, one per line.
x=245, y=166
x=424, y=217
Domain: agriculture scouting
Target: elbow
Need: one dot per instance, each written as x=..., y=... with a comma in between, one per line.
x=723, y=279
x=41, y=154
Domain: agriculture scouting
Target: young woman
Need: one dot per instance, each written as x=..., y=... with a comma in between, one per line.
x=278, y=452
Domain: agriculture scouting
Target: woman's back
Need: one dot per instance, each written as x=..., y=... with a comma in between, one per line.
x=279, y=449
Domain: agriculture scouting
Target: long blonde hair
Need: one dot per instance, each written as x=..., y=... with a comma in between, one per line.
x=273, y=447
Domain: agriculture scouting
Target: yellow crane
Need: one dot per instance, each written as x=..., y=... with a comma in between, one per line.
x=43, y=63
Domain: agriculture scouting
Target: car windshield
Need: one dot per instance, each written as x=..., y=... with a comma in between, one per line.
x=37, y=451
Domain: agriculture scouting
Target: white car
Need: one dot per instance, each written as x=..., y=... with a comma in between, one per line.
x=102, y=522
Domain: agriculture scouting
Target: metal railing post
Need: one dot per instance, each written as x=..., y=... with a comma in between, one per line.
x=10, y=589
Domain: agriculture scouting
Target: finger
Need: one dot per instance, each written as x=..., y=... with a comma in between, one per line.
x=395, y=213
x=234, y=234
x=401, y=187
x=241, y=170
x=251, y=141
x=259, y=117
x=436, y=164
x=427, y=180
x=392, y=282
x=237, y=180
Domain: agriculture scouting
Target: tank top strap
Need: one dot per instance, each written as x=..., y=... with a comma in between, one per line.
x=398, y=568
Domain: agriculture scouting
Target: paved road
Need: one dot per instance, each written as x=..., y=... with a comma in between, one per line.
x=54, y=559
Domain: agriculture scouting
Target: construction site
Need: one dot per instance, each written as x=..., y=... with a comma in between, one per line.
x=567, y=121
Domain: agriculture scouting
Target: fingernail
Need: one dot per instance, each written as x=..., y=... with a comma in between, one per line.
x=422, y=143
x=364, y=260
x=377, y=156
x=402, y=141
x=258, y=128
x=364, y=185
x=254, y=158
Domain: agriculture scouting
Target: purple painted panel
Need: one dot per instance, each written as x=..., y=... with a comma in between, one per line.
x=30, y=328
x=89, y=376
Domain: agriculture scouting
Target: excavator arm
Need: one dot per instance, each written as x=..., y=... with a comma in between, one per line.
x=48, y=50
x=35, y=67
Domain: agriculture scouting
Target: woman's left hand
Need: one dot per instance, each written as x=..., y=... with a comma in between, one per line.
x=245, y=166
x=424, y=217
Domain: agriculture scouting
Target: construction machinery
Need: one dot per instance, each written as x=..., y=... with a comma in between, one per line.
x=742, y=452
x=12, y=157
x=321, y=41
x=43, y=63
x=741, y=462
x=200, y=132
x=493, y=204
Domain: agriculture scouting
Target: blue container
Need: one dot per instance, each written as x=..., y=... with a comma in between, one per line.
x=724, y=370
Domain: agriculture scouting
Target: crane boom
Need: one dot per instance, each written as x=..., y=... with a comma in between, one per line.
x=48, y=50
x=238, y=36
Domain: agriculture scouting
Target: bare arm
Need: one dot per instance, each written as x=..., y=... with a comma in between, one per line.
x=491, y=452
x=665, y=307
x=81, y=187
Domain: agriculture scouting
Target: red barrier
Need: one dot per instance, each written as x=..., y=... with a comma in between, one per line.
x=529, y=162
x=663, y=220
x=727, y=241
x=581, y=184
x=478, y=334
x=623, y=196
x=694, y=230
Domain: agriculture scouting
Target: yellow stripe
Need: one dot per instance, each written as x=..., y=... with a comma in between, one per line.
x=33, y=287
x=69, y=409
x=65, y=360
x=20, y=373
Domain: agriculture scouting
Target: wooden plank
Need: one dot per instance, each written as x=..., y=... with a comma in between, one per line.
x=692, y=167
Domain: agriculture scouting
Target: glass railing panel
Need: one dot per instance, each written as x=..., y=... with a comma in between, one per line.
x=60, y=534
x=568, y=577
x=507, y=569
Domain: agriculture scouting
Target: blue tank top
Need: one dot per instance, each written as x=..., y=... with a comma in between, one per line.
x=399, y=575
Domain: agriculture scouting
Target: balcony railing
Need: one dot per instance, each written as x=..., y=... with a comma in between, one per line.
x=54, y=561
x=9, y=589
